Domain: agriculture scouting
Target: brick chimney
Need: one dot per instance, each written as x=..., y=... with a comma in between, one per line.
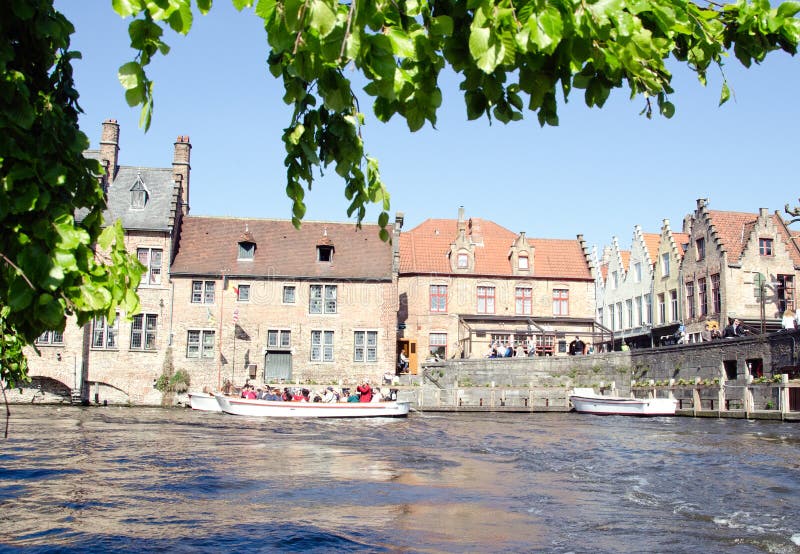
x=109, y=149
x=181, y=169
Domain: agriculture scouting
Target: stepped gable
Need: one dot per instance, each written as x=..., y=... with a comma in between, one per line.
x=424, y=249
x=652, y=242
x=210, y=246
x=733, y=230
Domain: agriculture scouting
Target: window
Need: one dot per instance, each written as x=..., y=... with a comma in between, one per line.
x=103, y=334
x=647, y=307
x=321, y=346
x=365, y=346
x=288, y=294
x=51, y=337
x=700, y=249
x=279, y=338
x=765, y=247
x=324, y=253
x=150, y=258
x=523, y=297
x=522, y=262
x=139, y=194
x=438, y=297
x=243, y=293
x=665, y=264
x=618, y=306
x=322, y=299
x=200, y=344
x=785, y=292
x=637, y=310
x=463, y=261
x=691, y=310
x=637, y=272
x=629, y=311
x=613, y=322
x=143, y=332
x=673, y=300
x=600, y=316
x=203, y=292
x=702, y=296
x=438, y=345
x=560, y=302
x=716, y=301
x=485, y=300
x=247, y=250
x=662, y=309
x=615, y=279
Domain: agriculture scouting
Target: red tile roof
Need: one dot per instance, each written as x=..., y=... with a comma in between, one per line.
x=734, y=230
x=681, y=240
x=651, y=242
x=625, y=259
x=424, y=249
x=209, y=246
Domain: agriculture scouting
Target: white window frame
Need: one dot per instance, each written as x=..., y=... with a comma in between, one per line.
x=152, y=274
x=322, y=346
x=365, y=346
x=286, y=289
x=243, y=297
x=279, y=339
x=52, y=337
x=108, y=334
x=322, y=299
x=144, y=330
x=203, y=292
x=200, y=343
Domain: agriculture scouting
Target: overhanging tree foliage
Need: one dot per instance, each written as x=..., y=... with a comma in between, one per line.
x=51, y=265
x=512, y=56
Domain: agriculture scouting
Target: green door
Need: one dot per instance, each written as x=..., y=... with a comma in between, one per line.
x=277, y=366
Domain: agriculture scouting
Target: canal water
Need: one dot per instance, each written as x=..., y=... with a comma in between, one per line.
x=139, y=479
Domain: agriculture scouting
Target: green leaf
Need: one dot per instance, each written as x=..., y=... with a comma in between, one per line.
x=130, y=75
x=123, y=8
x=322, y=17
x=402, y=45
x=725, y=94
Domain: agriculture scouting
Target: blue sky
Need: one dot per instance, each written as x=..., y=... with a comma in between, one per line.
x=599, y=173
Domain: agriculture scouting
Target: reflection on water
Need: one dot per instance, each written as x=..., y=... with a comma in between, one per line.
x=121, y=479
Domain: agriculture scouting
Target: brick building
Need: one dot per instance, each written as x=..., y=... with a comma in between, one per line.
x=728, y=252
x=667, y=286
x=119, y=360
x=259, y=299
x=465, y=284
x=626, y=306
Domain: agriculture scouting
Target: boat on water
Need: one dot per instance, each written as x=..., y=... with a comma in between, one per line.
x=585, y=400
x=204, y=402
x=280, y=408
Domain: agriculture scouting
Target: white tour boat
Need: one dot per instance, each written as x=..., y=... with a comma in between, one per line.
x=585, y=400
x=280, y=408
x=204, y=401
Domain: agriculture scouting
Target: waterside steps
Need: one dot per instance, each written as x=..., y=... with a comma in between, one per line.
x=75, y=396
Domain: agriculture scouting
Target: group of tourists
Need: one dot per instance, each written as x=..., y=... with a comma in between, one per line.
x=362, y=393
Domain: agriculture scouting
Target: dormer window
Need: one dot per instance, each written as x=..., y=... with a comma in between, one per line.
x=247, y=250
x=463, y=261
x=247, y=245
x=324, y=253
x=522, y=262
x=139, y=194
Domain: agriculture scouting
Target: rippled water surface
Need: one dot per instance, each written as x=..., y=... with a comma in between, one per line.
x=128, y=479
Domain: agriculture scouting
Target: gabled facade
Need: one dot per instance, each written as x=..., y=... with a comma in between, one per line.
x=125, y=357
x=667, y=308
x=720, y=273
x=466, y=284
x=259, y=299
x=627, y=299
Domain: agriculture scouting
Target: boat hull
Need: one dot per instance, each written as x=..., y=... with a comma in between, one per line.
x=613, y=405
x=204, y=402
x=270, y=408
